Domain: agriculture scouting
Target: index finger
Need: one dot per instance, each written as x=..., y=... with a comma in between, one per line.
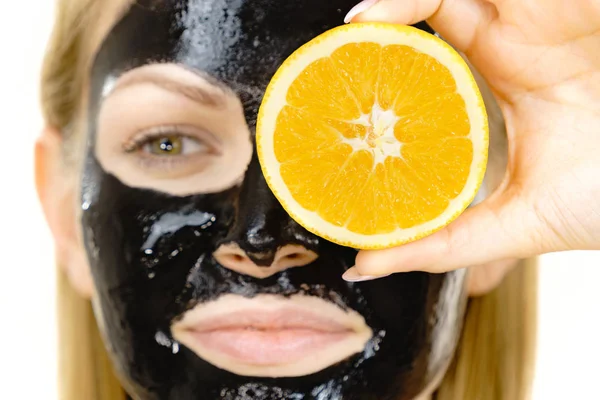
x=456, y=20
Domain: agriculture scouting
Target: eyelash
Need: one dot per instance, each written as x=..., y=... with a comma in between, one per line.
x=137, y=143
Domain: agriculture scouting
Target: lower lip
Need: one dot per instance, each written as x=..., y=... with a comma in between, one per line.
x=268, y=347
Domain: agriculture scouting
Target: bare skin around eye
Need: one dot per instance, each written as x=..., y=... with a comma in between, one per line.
x=204, y=122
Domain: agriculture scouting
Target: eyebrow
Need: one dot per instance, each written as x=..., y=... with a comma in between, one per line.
x=193, y=92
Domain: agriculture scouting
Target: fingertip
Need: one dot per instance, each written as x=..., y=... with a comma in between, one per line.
x=377, y=262
x=404, y=12
x=420, y=255
x=353, y=275
x=354, y=13
x=364, y=259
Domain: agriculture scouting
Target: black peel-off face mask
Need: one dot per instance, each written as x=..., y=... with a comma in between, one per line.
x=151, y=252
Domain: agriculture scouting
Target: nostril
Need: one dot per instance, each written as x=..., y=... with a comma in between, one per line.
x=238, y=258
x=265, y=264
x=232, y=260
x=294, y=258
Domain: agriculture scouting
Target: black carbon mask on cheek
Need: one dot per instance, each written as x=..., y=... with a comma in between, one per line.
x=151, y=252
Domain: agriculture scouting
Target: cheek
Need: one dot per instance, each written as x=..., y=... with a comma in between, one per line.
x=81, y=276
x=230, y=170
x=67, y=230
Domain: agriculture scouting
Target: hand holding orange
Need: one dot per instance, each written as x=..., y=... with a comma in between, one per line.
x=540, y=59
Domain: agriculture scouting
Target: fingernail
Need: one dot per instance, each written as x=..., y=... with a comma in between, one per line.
x=352, y=275
x=359, y=8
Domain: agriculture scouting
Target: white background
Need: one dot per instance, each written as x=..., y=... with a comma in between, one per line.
x=569, y=342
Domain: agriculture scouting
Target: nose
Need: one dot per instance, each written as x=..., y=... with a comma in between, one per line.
x=263, y=240
x=289, y=256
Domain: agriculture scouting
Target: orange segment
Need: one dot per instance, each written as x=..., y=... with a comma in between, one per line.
x=337, y=207
x=372, y=211
x=291, y=142
x=415, y=204
x=348, y=130
x=373, y=135
x=358, y=64
x=396, y=73
x=317, y=170
x=434, y=120
x=322, y=91
x=445, y=163
x=427, y=81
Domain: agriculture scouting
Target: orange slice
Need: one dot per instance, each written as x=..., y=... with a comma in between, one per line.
x=373, y=135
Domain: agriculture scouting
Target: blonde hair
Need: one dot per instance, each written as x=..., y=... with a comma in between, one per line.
x=495, y=357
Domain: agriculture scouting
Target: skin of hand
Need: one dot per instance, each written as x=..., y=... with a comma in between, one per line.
x=541, y=59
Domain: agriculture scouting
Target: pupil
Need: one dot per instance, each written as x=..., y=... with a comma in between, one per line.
x=166, y=145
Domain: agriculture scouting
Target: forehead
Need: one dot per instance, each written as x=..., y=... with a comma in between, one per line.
x=238, y=42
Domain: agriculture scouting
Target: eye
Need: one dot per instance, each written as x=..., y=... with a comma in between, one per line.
x=172, y=145
x=170, y=142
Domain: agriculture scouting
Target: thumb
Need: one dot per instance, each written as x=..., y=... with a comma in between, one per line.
x=493, y=230
x=456, y=20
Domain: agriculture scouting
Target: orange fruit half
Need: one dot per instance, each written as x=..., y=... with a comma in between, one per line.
x=373, y=135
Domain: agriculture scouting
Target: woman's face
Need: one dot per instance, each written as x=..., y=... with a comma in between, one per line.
x=204, y=287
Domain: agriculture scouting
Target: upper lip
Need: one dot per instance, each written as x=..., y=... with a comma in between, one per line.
x=281, y=319
x=271, y=313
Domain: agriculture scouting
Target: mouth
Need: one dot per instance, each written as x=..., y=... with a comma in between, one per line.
x=272, y=336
